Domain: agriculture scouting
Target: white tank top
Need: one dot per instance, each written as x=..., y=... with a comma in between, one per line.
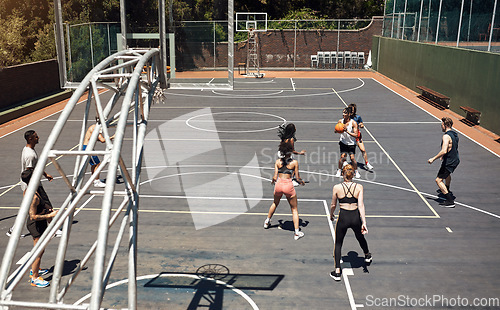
x=347, y=138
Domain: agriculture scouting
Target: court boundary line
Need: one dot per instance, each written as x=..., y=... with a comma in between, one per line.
x=465, y=135
x=394, y=163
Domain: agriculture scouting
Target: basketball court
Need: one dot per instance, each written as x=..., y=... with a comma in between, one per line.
x=205, y=192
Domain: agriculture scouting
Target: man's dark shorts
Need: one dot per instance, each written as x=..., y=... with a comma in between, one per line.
x=348, y=149
x=443, y=173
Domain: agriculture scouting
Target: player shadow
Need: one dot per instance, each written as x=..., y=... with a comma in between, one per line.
x=69, y=268
x=356, y=261
x=363, y=166
x=8, y=217
x=288, y=225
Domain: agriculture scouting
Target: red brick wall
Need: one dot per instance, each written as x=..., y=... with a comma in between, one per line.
x=276, y=47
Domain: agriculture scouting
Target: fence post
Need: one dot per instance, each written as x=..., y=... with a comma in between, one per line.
x=295, y=46
x=492, y=25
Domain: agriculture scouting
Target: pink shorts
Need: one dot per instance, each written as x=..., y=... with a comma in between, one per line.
x=284, y=186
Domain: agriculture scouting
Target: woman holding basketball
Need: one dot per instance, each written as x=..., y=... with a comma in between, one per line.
x=284, y=169
x=347, y=141
x=351, y=215
x=359, y=140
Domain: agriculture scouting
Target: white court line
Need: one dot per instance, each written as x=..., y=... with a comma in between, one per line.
x=394, y=123
x=250, y=107
x=272, y=97
x=196, y=277
x=437, y=118
x=328, y=175
x=394, y=163
x=293, y=84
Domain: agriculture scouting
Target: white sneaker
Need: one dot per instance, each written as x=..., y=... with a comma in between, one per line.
x=338, y=174
x=298, y=235
x=39, y=282
x=267, y=224
x=9, y=232
x=368, y=166
x=357, y=175
x=344, y=164
x=58, y=234
x=99, y=183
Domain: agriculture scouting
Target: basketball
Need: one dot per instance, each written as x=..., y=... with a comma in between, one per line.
x=339, y=128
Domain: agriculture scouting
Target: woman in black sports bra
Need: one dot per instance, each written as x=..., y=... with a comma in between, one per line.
x=351, y=215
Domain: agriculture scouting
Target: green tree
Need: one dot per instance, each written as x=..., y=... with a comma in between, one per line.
x=45, y=46
x=12, y=41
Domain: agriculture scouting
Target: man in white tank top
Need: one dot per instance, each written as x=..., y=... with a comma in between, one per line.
x=347, y=143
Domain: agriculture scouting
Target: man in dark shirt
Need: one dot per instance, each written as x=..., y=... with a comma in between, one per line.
x=450, y=161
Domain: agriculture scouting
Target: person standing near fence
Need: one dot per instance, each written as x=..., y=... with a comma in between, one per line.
x=450, y=161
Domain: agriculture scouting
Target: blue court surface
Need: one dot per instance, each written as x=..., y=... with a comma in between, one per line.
x=206, y=190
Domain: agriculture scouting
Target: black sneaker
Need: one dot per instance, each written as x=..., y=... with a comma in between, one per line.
x=368, y=258
x=336, y=276
x=447, y=204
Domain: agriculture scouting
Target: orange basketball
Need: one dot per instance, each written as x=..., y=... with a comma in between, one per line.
x=339, y=128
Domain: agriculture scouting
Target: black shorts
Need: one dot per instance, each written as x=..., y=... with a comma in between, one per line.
x=36, y=228
x=348, y=149
x=443, y=173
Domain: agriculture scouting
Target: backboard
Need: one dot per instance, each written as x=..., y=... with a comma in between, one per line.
x=255, y=21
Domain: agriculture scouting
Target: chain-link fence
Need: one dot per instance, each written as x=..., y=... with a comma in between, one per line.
x=88, y=44
x=201, y=45
x=466, y=23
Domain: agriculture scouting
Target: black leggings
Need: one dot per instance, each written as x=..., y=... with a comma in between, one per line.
x=348, y=219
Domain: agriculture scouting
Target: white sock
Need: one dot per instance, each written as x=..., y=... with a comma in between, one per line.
x=268, y=220
x=297, y=231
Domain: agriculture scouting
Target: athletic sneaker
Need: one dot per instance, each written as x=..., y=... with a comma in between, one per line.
x=99, y=183
x=39, y=282
x=336, y=276
x=267, y=224
x=41, y=272
x=447, y=204
x=368, y=258
x=9, y=232
x=298, y=235
x=58, y=233
x=368, y=166
x=338, y=174
x=357, y=175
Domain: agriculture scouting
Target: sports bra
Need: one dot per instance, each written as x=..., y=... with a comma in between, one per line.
x=283, y=169
x=346, y=199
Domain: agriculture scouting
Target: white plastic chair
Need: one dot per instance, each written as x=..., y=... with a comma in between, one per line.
x=321, y=59
x=333, y=59
x=328, y=60
x=314, y=61
x=361, y=59
x=340, y=59
x=347, y=59
x=354, y=59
